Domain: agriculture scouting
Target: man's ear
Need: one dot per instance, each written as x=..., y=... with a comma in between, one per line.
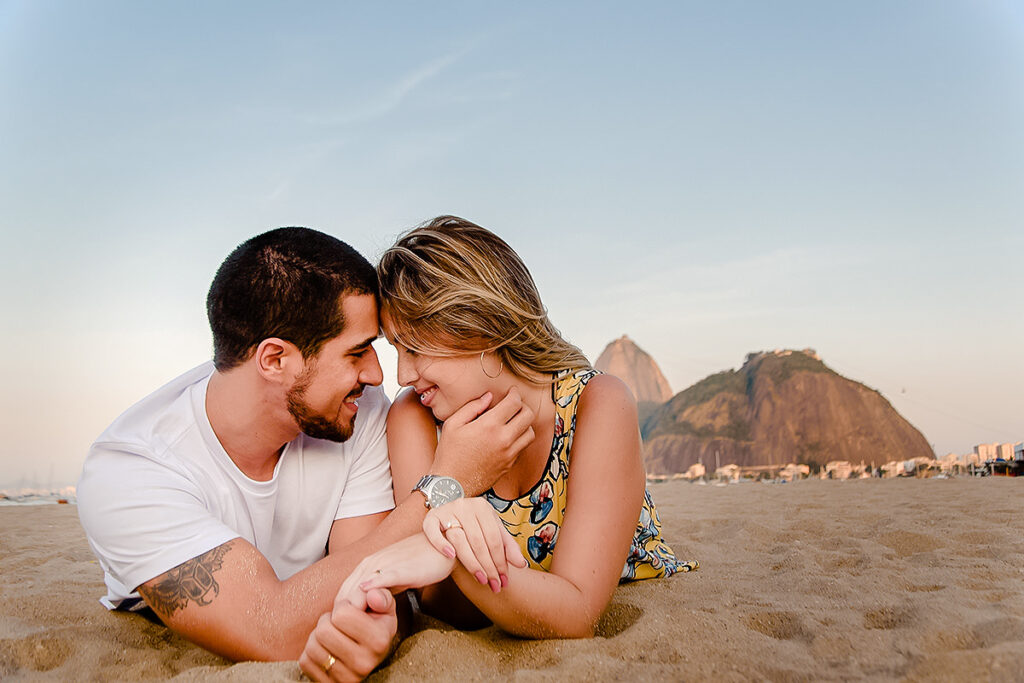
x=278, y=360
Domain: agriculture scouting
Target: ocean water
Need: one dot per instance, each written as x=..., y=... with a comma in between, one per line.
x=38, y=497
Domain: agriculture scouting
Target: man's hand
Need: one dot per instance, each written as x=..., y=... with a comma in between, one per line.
x=479, y=444
x=352, y=639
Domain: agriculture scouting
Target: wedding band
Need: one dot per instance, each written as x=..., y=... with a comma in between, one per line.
x=453, y=524
x=378, y=571
x=330, y=662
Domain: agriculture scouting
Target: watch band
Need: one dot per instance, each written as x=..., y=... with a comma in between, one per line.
x=439, y=489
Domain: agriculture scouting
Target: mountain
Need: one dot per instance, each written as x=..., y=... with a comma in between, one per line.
x=780, y=407
x=634, y=366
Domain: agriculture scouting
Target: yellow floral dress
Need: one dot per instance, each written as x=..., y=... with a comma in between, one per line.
x=535, y=518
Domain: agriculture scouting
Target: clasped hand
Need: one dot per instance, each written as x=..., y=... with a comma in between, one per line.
x=467, y=529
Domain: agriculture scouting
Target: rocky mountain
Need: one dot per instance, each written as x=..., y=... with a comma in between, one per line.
x=634, y=366
x=780, y=407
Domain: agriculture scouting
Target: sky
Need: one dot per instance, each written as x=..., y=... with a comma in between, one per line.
x=709, y=178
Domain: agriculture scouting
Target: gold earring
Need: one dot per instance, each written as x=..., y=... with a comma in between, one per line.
x=501, y=364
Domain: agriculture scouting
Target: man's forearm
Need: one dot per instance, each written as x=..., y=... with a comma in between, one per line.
x=315, y=587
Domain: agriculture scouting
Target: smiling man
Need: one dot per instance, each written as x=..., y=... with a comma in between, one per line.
x=234, y=500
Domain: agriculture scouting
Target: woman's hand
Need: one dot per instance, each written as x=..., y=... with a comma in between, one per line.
x=409, y=563
x=470, y=529
x=481, y=442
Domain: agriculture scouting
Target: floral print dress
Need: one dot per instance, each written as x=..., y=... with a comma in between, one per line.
x=535, y=518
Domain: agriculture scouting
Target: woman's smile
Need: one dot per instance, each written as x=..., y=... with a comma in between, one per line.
x=427, y=394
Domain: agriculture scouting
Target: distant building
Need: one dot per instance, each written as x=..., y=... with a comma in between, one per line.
x=893, y=468
x=1004, y=451
x=696, y=471
x=793, y=471
x=1018, y=451
x=837, y=469
x=730, y=471
x=986, y=451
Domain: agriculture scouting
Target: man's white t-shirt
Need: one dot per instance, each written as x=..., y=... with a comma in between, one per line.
x=157, y=488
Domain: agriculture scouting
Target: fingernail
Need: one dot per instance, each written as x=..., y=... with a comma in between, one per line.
x=504, y=580
x=449, y=553
x=365, y=585
x=495, y=585
x=481, y=577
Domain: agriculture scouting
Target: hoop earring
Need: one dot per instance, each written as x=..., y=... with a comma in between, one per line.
x=501, y=364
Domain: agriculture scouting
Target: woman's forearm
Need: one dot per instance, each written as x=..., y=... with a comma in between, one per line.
x=536, y=604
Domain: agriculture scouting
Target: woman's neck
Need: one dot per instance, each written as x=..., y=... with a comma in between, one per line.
x=531, y=461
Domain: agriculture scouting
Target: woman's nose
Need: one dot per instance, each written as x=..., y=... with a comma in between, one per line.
x=407, y=374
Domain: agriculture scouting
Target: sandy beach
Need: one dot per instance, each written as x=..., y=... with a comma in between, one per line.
x=915, y=579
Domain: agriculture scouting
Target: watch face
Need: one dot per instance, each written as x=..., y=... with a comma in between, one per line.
x=444, y=490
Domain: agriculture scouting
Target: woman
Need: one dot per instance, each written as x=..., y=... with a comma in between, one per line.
x=465, y=317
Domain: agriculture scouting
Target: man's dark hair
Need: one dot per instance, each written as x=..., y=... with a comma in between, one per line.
x=285, y=283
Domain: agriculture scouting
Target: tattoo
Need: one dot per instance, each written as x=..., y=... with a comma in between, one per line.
x=190, y=580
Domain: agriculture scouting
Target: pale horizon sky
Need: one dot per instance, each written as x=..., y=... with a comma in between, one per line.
x=709, y=178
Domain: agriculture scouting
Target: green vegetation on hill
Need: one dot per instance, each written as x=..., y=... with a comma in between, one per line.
x=778, y=368
x=781, y=368
x=817, y=417
x=727, y=381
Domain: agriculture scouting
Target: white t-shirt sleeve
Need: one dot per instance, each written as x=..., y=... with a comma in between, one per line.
x=142, y=516
x=368, y=487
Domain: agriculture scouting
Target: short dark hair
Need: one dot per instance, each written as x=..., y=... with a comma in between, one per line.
x=284, y=283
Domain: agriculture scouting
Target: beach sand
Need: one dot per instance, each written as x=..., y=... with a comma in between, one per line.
x=916, y=579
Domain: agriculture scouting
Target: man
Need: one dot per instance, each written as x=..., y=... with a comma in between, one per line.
x=215, y=499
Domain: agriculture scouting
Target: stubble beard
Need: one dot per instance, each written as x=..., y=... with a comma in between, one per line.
x=310, y=422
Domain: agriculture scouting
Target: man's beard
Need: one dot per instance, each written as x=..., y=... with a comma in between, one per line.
x=311, y=423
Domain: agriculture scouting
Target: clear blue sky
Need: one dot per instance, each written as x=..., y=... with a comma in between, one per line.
x=710, y=178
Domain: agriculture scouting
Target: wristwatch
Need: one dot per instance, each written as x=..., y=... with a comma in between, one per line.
x=439, y=490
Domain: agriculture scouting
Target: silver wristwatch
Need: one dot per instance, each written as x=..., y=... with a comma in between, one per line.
x=439, y=490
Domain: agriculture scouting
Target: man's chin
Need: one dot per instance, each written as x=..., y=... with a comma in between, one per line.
x=319, y=428
x=335, y=435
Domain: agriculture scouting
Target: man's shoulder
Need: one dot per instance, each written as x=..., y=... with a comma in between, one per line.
x=159, y=419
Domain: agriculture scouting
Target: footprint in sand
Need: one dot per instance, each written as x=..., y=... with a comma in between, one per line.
x=779, y=625
x=996, y=631
x=887, y=618
x=907, y=543
x=36, y=653
x=616, y=619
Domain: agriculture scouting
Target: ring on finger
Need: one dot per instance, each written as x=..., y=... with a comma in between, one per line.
x=452, y=524
x=330, y=662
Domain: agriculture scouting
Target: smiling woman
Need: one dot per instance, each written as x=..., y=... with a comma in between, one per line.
x=470, y=329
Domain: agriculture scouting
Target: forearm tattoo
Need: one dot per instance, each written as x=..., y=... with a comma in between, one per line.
x=191, y=580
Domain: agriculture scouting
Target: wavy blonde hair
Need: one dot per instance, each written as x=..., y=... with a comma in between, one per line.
x=450, y=288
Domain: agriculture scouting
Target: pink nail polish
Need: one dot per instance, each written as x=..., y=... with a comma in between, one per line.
x=504, y=580
x=449, y=553
x=495, y=585
x=481, y=577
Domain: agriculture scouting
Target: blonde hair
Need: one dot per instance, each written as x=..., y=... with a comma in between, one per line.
x=450, y=288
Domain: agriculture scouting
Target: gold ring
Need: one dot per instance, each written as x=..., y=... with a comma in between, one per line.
x=330, y=662
x=378, y=571
x=453, y=524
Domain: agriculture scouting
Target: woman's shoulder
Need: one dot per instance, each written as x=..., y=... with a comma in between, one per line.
x=607, y=395
x=406, y=409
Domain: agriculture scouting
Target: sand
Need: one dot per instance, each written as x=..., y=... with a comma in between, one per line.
x=818, y=580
